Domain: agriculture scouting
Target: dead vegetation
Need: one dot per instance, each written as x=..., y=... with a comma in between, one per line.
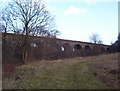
x=98, y=72
x=105, y=69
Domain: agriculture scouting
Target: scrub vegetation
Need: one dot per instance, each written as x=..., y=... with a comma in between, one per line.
x=97, y=72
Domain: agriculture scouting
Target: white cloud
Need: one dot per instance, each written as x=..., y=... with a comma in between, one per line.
x=74, y=10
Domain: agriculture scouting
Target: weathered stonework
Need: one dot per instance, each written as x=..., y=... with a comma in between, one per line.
x=52, y=48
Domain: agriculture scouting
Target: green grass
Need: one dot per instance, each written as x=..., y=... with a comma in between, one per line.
x=61, y=74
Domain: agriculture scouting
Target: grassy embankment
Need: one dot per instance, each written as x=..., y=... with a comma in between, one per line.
x=98, y=72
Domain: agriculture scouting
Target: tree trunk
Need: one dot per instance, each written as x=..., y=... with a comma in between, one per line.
x=26, y=45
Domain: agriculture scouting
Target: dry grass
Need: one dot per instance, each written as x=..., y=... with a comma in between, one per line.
x=105, y=69
x=73, y=73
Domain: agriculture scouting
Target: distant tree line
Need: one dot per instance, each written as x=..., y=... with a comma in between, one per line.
x=95, y=38
x=115, y=47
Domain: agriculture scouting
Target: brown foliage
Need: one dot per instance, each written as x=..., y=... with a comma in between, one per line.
x=8, y=68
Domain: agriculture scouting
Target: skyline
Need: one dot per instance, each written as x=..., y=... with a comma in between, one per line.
x=77, y=20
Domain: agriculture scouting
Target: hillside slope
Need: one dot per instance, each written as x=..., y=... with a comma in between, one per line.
x=98, y=72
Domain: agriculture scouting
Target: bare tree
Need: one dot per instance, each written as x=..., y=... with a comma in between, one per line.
x=4, y=24
x=54, y=33
x=95, y=38
x=27, y=17
x=4, y=29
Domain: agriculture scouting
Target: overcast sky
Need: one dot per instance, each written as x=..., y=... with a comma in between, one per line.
x=78, y=19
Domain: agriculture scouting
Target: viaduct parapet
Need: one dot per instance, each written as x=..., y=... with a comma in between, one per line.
x=51, y=48
x=81, y=44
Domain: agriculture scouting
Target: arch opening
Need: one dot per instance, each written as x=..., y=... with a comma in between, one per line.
x=66, y=50
x=87, y=47
x=62, y=48
x=33, y=44
x=77, y=47
x=108, y=49
x=78, y=50
x=88, y=50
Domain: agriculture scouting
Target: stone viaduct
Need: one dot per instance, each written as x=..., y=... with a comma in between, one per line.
x=52, y=48
x=68, y=48
x=80, y=44
x=78, y=48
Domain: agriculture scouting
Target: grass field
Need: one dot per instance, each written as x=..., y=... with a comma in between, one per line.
x=98, y=72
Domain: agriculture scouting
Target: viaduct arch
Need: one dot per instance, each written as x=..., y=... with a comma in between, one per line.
x=52, y=48
x=84, y=48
